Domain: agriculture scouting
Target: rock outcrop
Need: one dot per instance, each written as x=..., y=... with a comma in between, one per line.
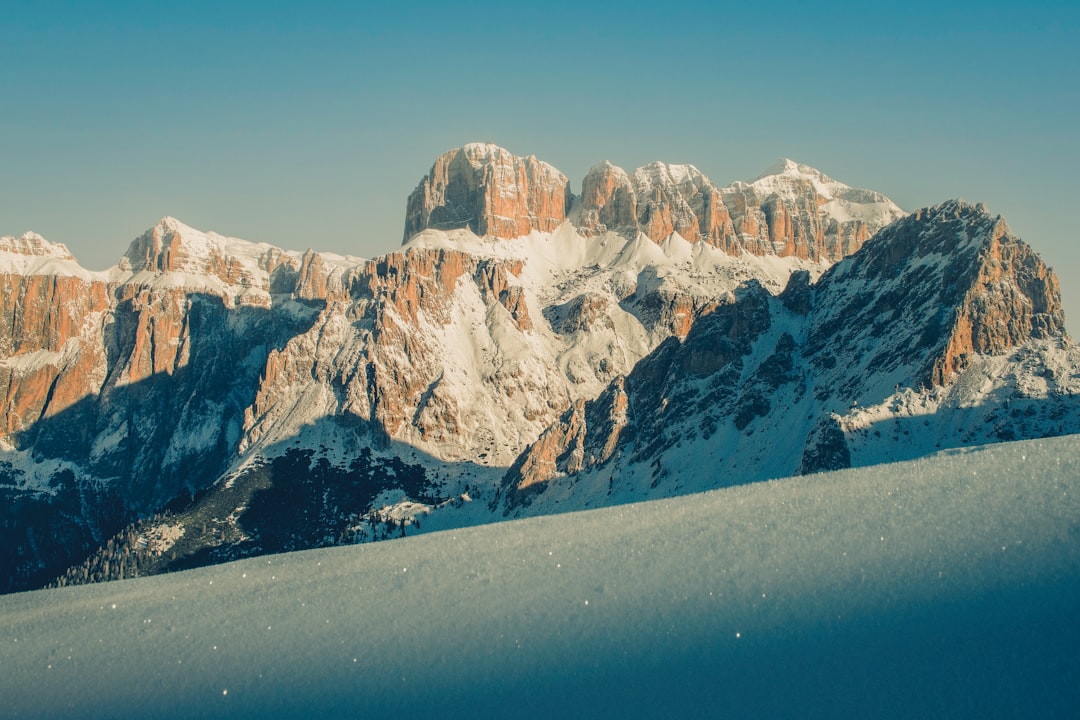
x=608, y=201
x=791, y=210
x=953, y=271
x=486, y=189
x=52, y=315
x=32, y=245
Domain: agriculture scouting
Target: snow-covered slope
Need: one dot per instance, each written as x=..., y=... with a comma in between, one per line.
x=942, y=587
x=31, y=254
x=788, y=179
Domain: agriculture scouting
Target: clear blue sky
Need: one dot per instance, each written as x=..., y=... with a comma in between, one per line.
x=307, y=125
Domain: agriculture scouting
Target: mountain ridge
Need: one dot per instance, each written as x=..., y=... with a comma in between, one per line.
x=270, y=399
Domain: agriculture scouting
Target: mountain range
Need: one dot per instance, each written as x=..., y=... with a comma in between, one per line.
x=526, y=351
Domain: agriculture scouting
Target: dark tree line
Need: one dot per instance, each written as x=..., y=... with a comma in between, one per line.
x=125, y=555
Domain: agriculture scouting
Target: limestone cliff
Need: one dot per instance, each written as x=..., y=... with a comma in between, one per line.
x=491, y=192
x=791, y=210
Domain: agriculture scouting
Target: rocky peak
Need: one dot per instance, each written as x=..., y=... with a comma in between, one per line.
x=608, y=201
x=33, y=245
x=795, y=209
x=944, y=330
x=679, y=199
x=791, y=168
x=660, y=174
x=791, y=179
x=955, y=272
x=172, y=246
x=490, y=191
x=791, y=209
x=207, y=257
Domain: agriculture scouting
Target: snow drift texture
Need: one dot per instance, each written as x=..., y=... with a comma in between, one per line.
x=941, y=587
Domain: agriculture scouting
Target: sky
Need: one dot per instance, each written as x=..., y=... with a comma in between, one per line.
x=307, y=125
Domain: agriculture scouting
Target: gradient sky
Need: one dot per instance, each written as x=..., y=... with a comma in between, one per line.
x=307, y=125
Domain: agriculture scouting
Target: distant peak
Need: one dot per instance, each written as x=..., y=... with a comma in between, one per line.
x=32, y=244
x=663, y=172
x=169, y=224
x=789, y=167
x=782, y=166
x=483, y=148
x=954, y=207
x=489, y=190
x=606, y=167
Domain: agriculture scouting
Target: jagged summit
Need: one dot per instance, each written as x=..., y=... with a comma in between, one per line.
x=490, y=191
x=33, y=245
x=787, y=166
x=172, y=254
x=173, y=246
x=954, y=267
x=795, y=211
x=605, y=166
x=32, y=254
x=660, y=173
x=943, y=330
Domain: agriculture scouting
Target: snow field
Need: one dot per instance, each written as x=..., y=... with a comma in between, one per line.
x=941, y=587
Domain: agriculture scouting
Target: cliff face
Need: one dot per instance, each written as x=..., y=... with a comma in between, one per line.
x=491, y=192
x=791, y=210
x=51, y=325
x=124, y=390
x=956, y=274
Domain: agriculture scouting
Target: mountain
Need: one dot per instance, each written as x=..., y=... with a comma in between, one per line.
x=944, y=330
x=524, y=351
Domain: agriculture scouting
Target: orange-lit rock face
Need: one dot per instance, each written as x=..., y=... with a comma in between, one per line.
x=670, y=199
x=796, y=211
x=160, y=330
x=164, y=249
x=391, y=373
x=608, y=201
x=489, y=191
x=50, y=329
x=786, y=216
x=1015, y=297
x=587, y=434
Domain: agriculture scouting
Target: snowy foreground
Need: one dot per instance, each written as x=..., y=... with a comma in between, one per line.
x=947, y=587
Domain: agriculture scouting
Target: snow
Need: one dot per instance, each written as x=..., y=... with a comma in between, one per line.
x=943, y=587
x=31, y=254
x=661, y=173
x=31, y=361
x=844, y=203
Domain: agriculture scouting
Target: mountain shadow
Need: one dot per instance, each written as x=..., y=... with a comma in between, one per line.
x=80, y=474
x=327, y=486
